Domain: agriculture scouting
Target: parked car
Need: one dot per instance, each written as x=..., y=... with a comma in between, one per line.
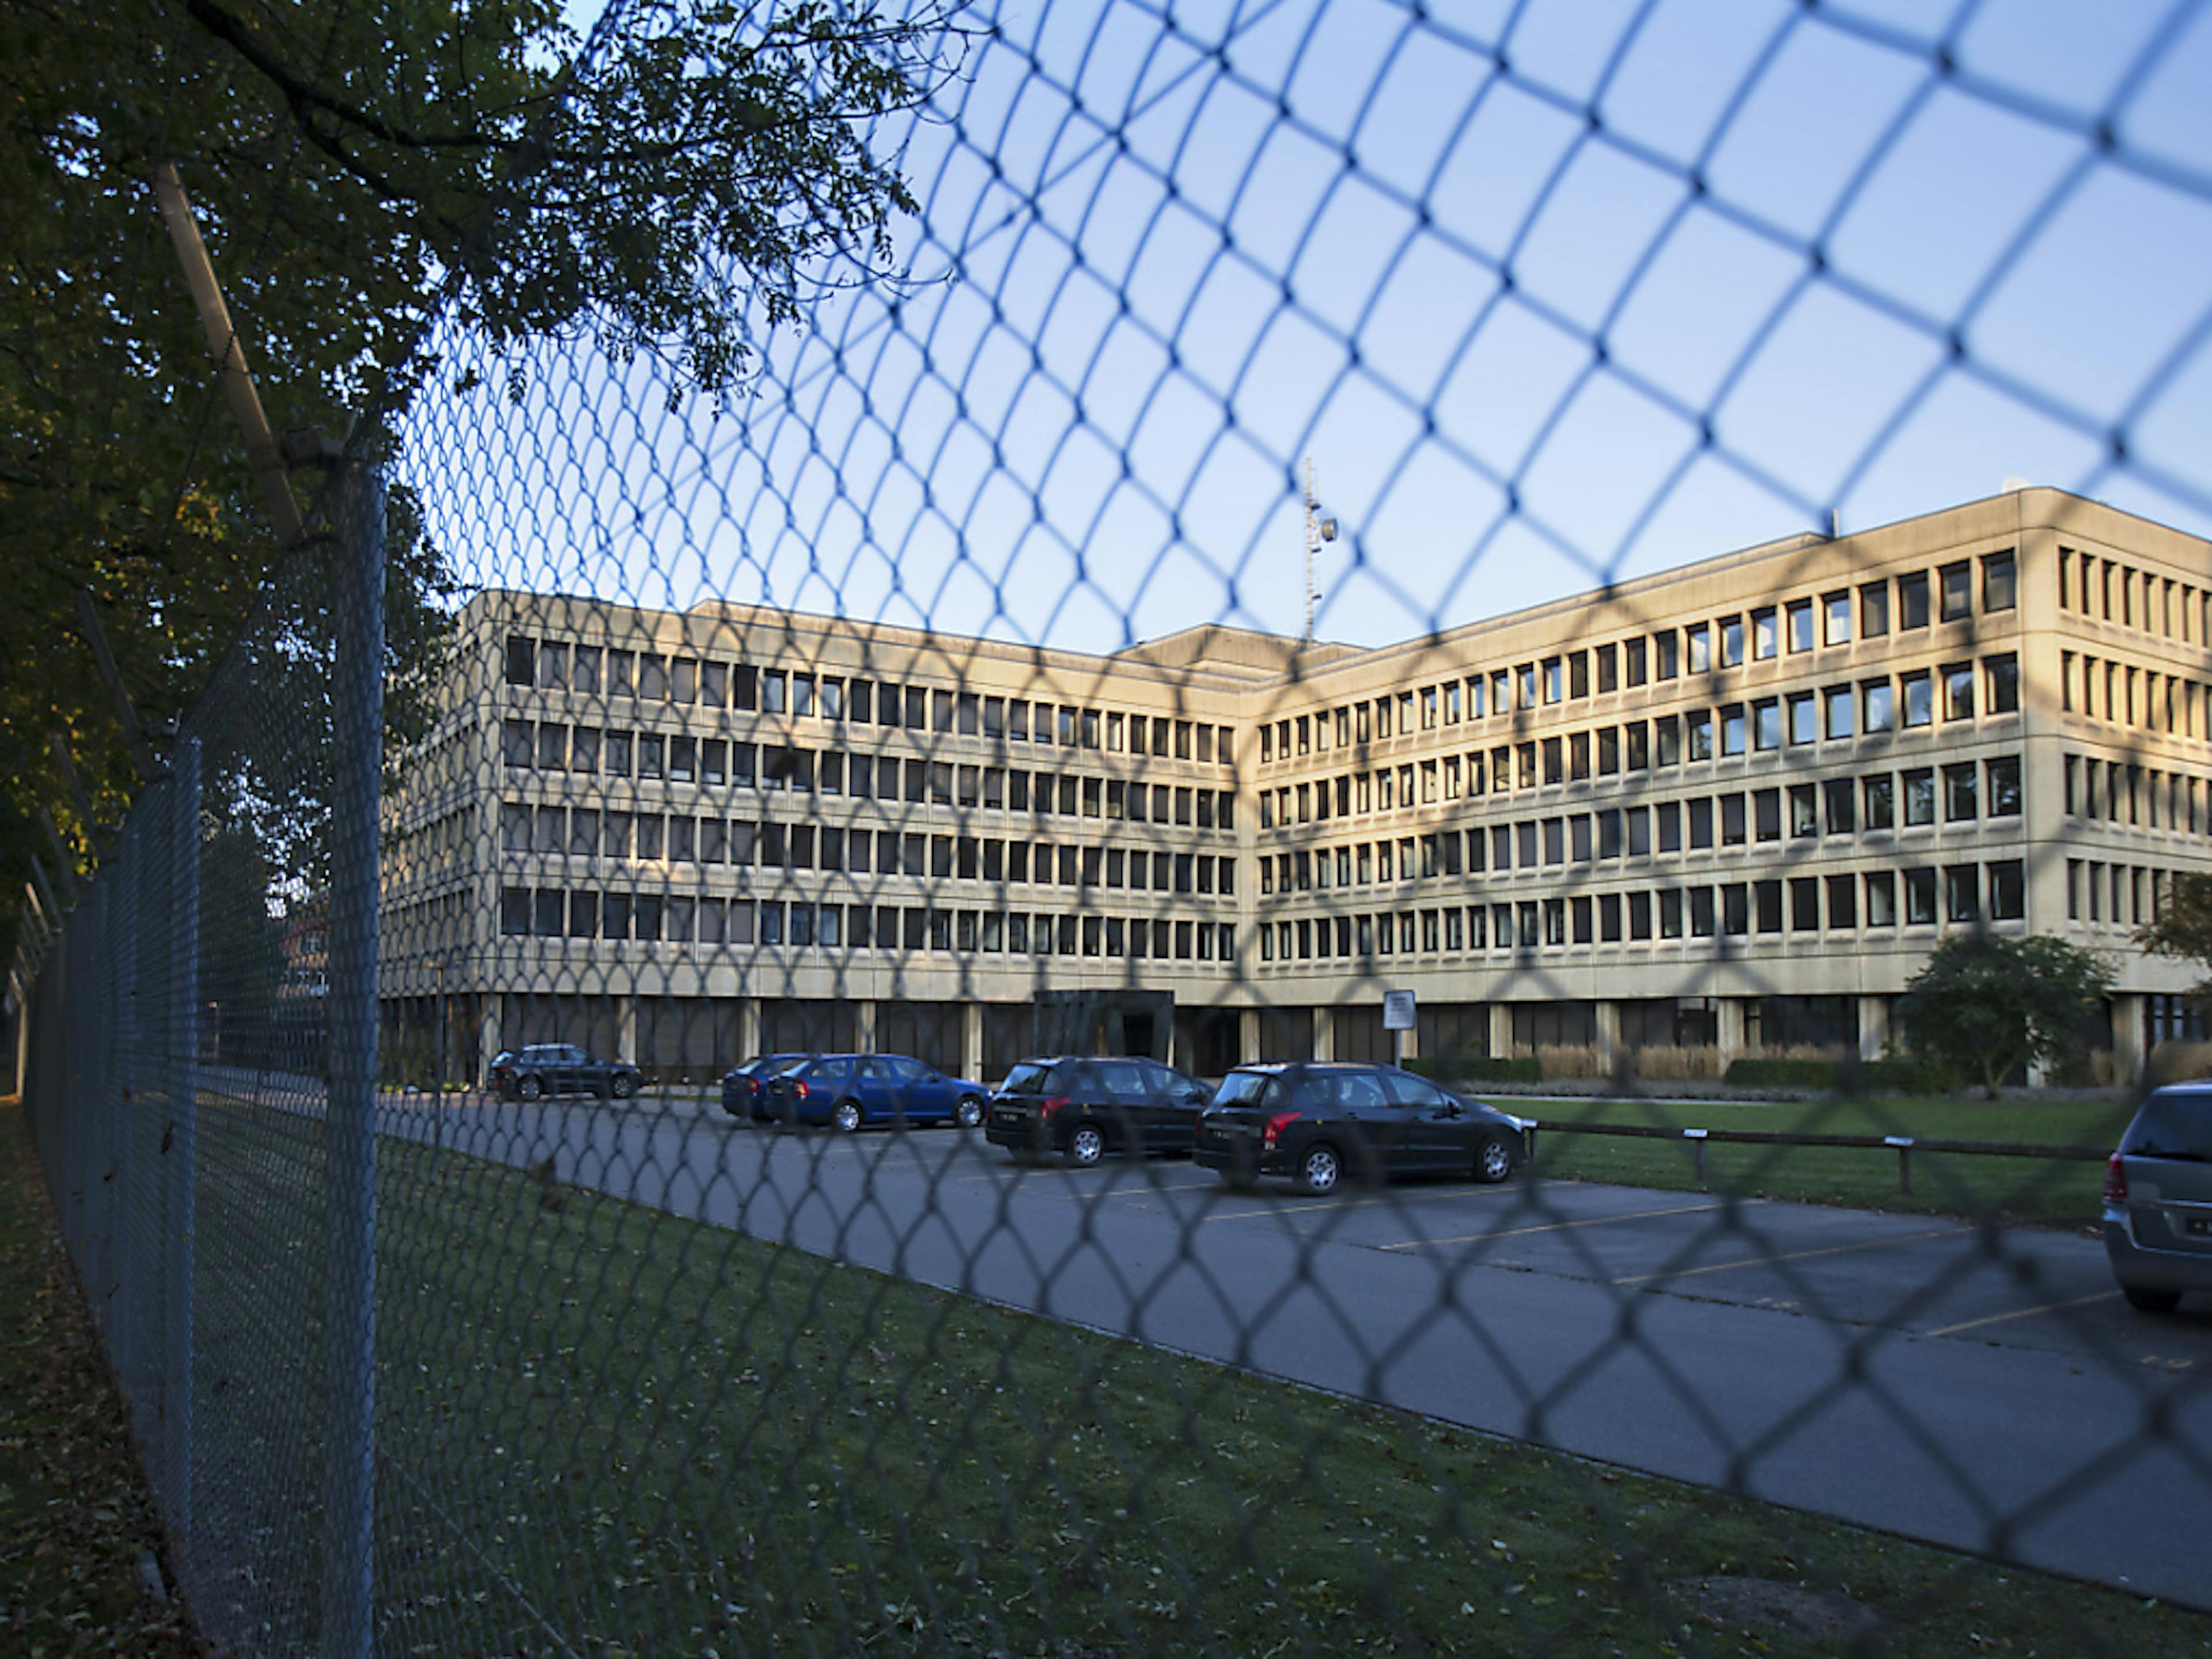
x=742, y=1083
x=848, y=1090
x=562, y=1068
x=2158, y=1199
x=1085, y=1108
x=1323, y=1123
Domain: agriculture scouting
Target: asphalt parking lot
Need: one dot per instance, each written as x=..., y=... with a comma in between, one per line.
x=1921, y=1374
x=1933, y=1277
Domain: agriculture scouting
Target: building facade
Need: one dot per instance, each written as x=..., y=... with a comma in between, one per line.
x=1734, y=804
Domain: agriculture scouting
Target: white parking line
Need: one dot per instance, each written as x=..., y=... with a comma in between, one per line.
x=2021, y=1313
x=1796, y=1256
x=1559, y=1226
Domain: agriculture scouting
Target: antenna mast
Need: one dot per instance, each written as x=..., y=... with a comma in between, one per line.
x=1318, y=531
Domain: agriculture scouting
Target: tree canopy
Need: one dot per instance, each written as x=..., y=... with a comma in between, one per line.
x=1985, y=1005
x=2183, y=928
x=357, y=170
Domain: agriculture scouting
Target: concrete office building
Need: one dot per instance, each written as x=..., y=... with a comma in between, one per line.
x=1736, y=804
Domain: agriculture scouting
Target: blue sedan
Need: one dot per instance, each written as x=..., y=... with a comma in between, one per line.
x=848, y=1090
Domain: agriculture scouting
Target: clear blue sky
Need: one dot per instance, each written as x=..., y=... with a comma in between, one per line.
x=1551, y=292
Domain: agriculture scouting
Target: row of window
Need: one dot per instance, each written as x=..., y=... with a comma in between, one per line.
x=2142, y=698
x=2116, y=895
x=1835, y=618
x=653, y=838
x=670, y=919
x=2108, y=591
x=1867, y=708
x=1920, y=896
x=2121, y=792
x=649, y=677
x=716, y=763
x=1959, y=794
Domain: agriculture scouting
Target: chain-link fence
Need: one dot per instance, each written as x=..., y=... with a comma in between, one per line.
x=829, y=986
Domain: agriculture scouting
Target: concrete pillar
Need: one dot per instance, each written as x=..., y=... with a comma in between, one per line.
x=864, y=1024
x=1501, y=1031
x=1608, y=1035
x=971, y=1040
x=626, y=1030
x=748, y=1026
x=1409, y=1044
x=1324, y=1043
x=488, y=1029
x=1731, y=1011
x=2128, y=1035
x=1874, y=1027
x=1247, y=1036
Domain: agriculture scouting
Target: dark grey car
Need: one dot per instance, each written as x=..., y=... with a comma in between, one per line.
x=2158, y=1199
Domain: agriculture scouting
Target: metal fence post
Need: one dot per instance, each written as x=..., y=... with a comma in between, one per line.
x=180, y=1144
x=356, y=577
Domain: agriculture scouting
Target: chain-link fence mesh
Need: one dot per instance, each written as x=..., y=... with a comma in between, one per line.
x=1218, y=567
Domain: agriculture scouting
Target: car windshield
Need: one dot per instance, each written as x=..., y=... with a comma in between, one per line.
x=2172, y=1126
x=1244, y=1089
x=1026, y=1079
x=790, y=1065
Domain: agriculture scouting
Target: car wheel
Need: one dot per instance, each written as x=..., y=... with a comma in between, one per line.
x=1086, y=1145
x=624, y=1086
x=969, y=1114
x=2151, y=1301
x=528, y=1088
x=846, y=1116
x=1493, y=1162
x=1320, y=1169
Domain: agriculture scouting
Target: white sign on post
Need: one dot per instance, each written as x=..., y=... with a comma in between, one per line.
x=1397, y=1011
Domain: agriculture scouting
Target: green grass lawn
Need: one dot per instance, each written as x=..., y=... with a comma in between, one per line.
x=607, y=1431
x=2022, y=1189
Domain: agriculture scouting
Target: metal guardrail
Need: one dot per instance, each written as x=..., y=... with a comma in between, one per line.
x=1903, y=1145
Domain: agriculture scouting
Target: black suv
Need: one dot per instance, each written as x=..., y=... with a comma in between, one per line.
x=1085, y=1108
x=1319, y=1123
x=562, y=1068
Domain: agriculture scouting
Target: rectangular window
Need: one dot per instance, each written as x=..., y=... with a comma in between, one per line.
x=1879, y=701
x=1608, y=668
x=1835, y=617
x=1766, y=729
x=2000, y=586
x=2007, y=891
x=1962, y=892
x=2003, y=675
x=1839, y=801
x=1800, y=615
x=1960, y=792
x=1840, y=708
x=1919, y=797
x=1881, y=799
x=1701, y=821
x=1666, y=662
x=1731, y=629
x=1956, y=591
x=521, y=670
x=1881, y=900
x=1842, y=905
x=1874, y=609
x=1632, y=656
x=1920, y=690
x=1732, y=730
x=1699, y=641
x=2005, y=786
x=1699, y=726
x=1911, y=603
x=1766, y=638
x=1805, y=717
x=1958, y=691
x=1804, y=810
